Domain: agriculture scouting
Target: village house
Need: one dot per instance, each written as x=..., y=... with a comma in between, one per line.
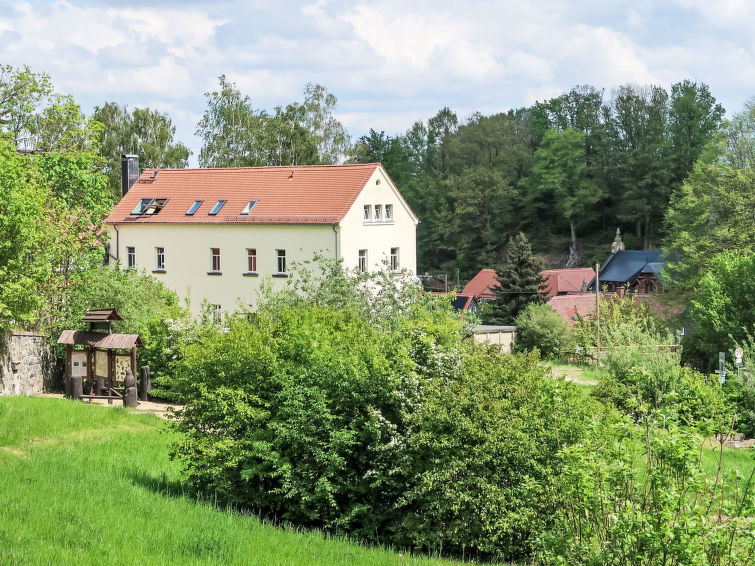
x=216, y=234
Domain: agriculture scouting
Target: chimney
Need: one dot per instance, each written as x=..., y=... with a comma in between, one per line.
x=129, y=172
x=620, y=291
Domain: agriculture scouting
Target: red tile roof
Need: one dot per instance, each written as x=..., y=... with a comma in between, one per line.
x=569, y=306
x=317, y=194
x=568, y=280
x=481, y=285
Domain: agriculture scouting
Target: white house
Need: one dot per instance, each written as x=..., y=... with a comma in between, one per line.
x=216, y=233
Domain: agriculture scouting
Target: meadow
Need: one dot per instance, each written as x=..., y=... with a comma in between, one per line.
x=84, y=484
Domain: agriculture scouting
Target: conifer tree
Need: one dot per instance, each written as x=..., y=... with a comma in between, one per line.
x=520, y=281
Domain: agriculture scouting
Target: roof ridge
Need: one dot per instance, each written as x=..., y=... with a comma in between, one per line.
x=324, y=165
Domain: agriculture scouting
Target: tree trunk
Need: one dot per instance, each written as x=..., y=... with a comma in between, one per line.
x=573, y=254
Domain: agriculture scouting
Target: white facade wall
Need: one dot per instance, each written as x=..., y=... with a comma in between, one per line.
x=378, y=237
x=188, y=258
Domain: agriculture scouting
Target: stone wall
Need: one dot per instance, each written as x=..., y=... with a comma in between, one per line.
x=26, y=364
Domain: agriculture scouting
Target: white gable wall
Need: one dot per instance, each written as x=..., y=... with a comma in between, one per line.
x=379, y=237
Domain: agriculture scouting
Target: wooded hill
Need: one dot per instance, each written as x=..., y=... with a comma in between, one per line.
x=567, y=172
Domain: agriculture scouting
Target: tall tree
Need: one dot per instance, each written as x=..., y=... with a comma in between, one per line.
x=331, y=138
x=143, y=132
x=520, y=282
x=22, y=93
x=230, y=129
x=714, y=209
x=560, y=177
x=636, y=124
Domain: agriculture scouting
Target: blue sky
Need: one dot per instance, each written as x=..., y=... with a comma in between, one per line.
x=389, y=63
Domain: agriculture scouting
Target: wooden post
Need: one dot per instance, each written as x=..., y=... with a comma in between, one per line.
x=90, y=373
x=597, y=308
x=67, y=374
x=129, y=393
x=146, y=383
x=111, y=370
x=77, y=387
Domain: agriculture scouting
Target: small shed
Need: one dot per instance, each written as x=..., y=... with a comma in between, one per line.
x=98, y=356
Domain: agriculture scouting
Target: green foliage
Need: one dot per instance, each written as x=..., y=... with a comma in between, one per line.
x=541, y=327
x=641, y=494
x=643, y=371
x=143, y=132
x=714, y=210
x=722, y=307
x=235, y=134
x=740, y=385
x=356, y=404
x=519, y=282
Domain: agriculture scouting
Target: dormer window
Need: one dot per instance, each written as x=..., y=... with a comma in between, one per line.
x=194, y=207
x=149, y=206
x=248, y=208
x=217, y=207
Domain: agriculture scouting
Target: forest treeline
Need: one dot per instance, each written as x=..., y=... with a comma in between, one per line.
x=566, y=171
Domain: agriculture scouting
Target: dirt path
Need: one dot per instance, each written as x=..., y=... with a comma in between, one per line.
x=162, y=410
x=574, y=374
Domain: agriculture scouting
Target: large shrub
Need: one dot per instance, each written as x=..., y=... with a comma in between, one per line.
x=325, y=412
x=541, y=327
x=641, y=494
x=643, y=370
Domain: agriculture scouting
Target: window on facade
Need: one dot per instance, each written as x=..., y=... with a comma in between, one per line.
x=160, y=259
x=394, y=259
x=149, y=206
x=248, y=208
x=367, y=212
x=193, y=208
x=217, y=314
x=378, y=212
x=215, y=254
x=216, y=208
x=251, y=260
x=131, y=257
x=281, y=261
x=362, y=261
x=389, y=212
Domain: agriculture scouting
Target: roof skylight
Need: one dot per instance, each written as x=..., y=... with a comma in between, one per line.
x=194, y=207
x=217, y=207
x=149, y=206
x=248, y=208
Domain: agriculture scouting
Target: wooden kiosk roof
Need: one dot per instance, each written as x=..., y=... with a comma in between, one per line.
x=100, y=340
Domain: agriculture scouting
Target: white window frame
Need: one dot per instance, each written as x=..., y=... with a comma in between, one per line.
x=389, y=213
x=159, y=258
x=249, y=256
x=217, y=314
x=362, y=261
x=395, y=259
x=378, y=212
x=215, y=265
x=130, y=257
x=281, y=259
x=368, y=213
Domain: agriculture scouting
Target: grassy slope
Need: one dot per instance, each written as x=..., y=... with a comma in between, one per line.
x=86, y=484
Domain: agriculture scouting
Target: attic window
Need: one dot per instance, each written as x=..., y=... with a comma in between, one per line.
x=217, y=207
x=194, y=207
x=248, y=208
x=149, y=206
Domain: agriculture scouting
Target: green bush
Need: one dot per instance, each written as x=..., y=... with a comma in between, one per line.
x=541, y=327
x=641, y=495
x=327, y=413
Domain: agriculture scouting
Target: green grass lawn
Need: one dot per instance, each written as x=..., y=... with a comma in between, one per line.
x=85, y=484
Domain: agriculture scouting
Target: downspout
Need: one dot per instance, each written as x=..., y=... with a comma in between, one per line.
x=117, y=243
x=335, y=234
